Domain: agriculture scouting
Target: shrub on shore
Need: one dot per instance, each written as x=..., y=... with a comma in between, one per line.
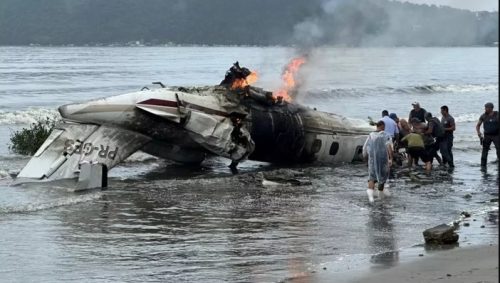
x=27, y=140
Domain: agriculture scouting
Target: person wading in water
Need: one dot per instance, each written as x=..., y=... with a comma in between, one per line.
x=448, y=123
x=491, y=130
x=378, y=150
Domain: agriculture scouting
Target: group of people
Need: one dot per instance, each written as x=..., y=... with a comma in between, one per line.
x=421, y=137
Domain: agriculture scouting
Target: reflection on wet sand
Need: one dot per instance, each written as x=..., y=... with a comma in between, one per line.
x=381, y=239
x=434, y=247
x=488, y=176
x=493, y=216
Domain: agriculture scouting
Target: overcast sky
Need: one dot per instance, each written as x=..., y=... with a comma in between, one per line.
x=474, y=5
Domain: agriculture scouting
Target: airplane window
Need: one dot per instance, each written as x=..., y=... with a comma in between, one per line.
x=334, y=148
x=316, y=146
x=358, y=155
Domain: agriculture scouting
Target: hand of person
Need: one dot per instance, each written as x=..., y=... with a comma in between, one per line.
x=390, y=162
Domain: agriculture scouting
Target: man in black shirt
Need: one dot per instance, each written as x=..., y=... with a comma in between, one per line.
x=491, y=130
x=448, y=123
x=417, y=112
x=435, y=134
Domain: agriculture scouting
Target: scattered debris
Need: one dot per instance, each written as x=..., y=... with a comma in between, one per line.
x=465, y=214
x=285, y=177
x=280, y=177
x=419, y=177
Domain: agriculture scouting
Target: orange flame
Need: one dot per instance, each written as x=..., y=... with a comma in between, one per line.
x=242, y=83
x=288, y=78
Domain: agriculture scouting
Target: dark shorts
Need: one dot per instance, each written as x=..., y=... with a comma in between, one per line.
x=418, y=153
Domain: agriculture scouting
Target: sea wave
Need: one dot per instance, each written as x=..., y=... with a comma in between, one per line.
x=465, y=138
x=418, y=89
x=470, y=117
x=4, y=174
x=31, y=207
x=140, y=157
x=26, y=117
x=458, y=88
x=468, y=147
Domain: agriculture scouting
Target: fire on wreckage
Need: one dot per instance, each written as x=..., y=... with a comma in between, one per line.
x=233, y=120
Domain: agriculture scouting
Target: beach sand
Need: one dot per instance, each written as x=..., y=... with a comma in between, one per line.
x=468, y=265
x=472, y=264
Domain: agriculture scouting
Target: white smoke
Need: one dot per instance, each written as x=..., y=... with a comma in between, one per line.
x=393, y=23
x=308, y=32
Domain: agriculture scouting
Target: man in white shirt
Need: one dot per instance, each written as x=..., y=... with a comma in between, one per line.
x=391, y=127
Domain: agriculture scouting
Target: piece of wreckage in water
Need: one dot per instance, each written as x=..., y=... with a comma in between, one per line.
x=188, y=124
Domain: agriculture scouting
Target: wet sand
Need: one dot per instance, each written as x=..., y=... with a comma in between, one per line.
x=467, y=261
x=468, y=265
x=472, y=264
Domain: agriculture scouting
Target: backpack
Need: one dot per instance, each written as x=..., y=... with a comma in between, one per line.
x=438, y=128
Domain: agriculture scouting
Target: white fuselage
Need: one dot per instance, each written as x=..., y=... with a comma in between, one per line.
x=282, y=133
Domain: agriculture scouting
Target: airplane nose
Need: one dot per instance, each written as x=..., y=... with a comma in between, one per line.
x=64, y=111
x=70, y=111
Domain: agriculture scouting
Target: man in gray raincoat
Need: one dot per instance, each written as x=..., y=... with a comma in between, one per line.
x=378, y=149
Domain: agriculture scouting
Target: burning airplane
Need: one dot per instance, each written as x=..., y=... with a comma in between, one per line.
x=234, y=120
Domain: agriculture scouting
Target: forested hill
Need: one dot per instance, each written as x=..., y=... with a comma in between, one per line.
x=242, y=22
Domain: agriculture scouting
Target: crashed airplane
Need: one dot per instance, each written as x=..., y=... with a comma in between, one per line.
x=186, y=125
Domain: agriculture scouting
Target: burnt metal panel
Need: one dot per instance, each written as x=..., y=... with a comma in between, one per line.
x=278, y=135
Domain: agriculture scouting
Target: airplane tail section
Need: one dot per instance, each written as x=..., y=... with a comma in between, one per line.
x=71, y=144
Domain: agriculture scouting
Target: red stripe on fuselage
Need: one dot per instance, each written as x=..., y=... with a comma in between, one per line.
x=159, y=102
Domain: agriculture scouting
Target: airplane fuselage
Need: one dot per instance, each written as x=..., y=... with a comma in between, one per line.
x=282, y=132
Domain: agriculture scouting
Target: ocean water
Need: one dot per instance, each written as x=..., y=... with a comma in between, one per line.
x=161, y=221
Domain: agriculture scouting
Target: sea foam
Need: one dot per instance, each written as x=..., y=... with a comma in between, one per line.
x=26, y=117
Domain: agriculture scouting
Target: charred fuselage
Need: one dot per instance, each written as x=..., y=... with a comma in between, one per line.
x=188, y=124
x=282, y=132
x=232, y=120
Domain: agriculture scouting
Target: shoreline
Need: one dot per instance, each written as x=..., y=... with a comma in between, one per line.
x=474, y=258
x=469, y=264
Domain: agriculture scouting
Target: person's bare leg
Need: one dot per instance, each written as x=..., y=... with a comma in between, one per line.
x=383, y=190
x=438, y=158
x=369, y=191
x=428, y=167
x=410, y=162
